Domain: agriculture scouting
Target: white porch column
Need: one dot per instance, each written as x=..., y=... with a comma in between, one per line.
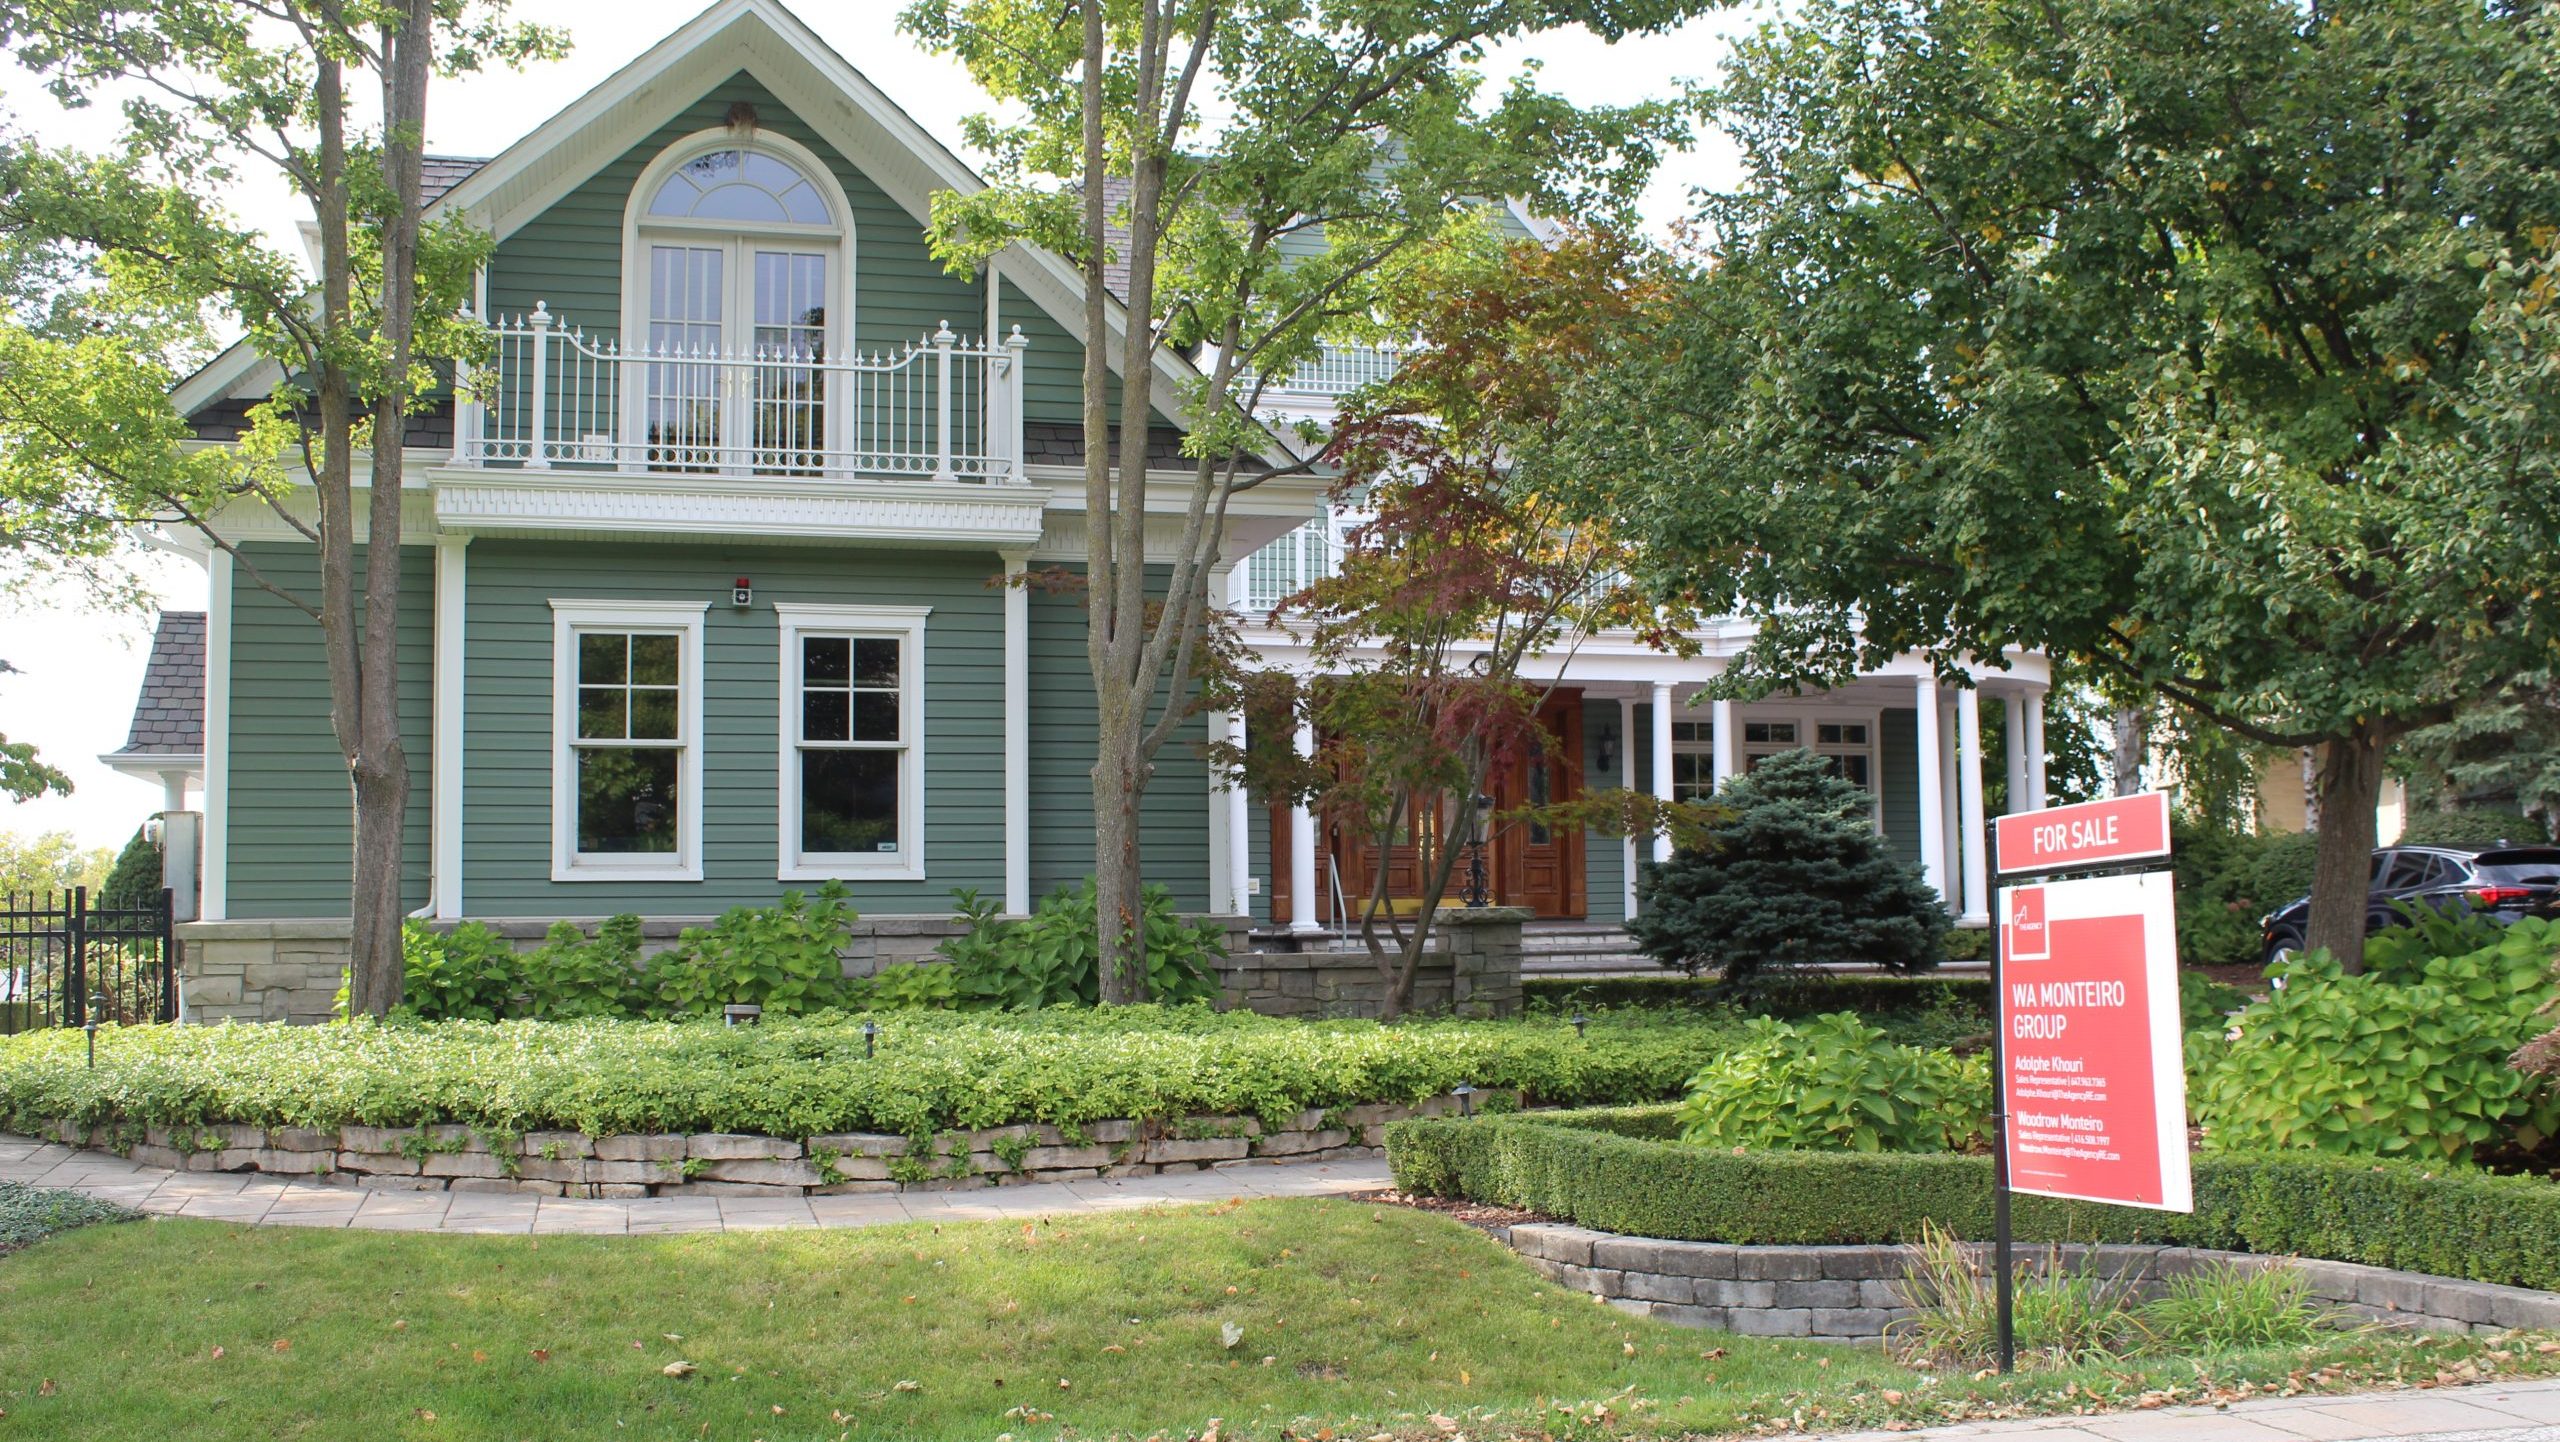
x=1977, y=871
x=1239, y=827
x=2014, y=748
x=1302, y=850
x=173, y=791
x=1627, y=779
x=1728, y=743
x=2035, y=751
x=1933, y=794
x=444, y=809
x=1017, y=735
x=1662, y=760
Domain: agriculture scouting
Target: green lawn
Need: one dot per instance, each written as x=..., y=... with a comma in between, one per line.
x=1353, y=1319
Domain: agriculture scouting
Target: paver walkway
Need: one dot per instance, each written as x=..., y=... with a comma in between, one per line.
x=276, y=1201
x=2488, y=1412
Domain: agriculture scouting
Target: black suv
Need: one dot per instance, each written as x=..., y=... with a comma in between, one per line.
x=2508, y=882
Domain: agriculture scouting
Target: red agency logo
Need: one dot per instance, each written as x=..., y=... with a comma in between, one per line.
x=2029, y=938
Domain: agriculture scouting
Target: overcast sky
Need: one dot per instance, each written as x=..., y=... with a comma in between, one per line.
x=82, y=668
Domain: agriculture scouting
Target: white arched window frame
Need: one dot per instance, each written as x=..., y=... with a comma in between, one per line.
x=737, y=248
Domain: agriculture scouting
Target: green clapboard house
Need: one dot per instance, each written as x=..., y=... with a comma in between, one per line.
x=703, y=581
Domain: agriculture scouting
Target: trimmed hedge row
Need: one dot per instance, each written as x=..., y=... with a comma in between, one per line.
x=1617, y=1171
x=1789, y=998
x=798, y=1077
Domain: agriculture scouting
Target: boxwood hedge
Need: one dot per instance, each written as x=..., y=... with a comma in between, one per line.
x=1618, y=1171
x=1808, y=996
x=934, y=1071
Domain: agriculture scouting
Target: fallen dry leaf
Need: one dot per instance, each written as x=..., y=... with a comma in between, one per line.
x=220, y=1353
x=542, y=1354
x=46, y=1388
x=284, y=1344
x=907, y=1386
x=678, y=1368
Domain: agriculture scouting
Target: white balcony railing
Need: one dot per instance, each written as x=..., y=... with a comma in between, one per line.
x=1289, y=564
x=1334, y=370
x=556, y=397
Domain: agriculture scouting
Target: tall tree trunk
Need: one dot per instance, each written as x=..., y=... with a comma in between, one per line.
x=1119, y=779
x=2342, y=869
x=380, y=763
x=2310, y=789
x=2133, y=738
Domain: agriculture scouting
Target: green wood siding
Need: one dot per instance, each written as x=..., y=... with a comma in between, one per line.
x=290, y=829
x=1053, y=369
x=1898, y=780
x=508, y=748
x=571, y=256
x=1174, y=813
x=1604, y=857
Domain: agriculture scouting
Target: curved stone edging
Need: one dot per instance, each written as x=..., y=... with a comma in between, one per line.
x=1853, y=1294
x=671, y=1164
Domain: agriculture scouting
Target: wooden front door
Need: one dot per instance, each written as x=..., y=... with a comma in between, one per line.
x=1536, y=866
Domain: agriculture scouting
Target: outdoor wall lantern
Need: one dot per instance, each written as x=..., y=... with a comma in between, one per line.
x=1605, y=750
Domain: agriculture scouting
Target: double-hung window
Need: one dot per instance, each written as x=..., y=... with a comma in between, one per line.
x=852, y=773
x=1693, y=760
x=626, y=789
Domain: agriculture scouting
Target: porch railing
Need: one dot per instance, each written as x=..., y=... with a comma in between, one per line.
x=1334, y=370
x=1290, y=564
x=553, y=396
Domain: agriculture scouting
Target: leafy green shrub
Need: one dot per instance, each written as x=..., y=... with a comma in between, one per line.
x=1612, y=1170
x=28, y=1214
x=2397, y=952
x=1054, y=957
x=1836, y=1083
x=2482, y=828
x=574, y=975
x=136, y=879
x=1791, y=873
x=467, y=974
x=2371, y=1066
x=2225, y=1307
x=2227, y=881
x=908, y=986
x=799, y=1077
x=787, y=958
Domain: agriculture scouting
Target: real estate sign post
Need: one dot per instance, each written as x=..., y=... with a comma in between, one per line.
x=2087, y=1055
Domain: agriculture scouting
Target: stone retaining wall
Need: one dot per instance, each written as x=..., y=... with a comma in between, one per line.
x=1854, y=1294
x=1471, y=970
x=564, y=1163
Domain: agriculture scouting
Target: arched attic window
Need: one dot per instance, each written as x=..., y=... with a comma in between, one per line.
x=737, y=285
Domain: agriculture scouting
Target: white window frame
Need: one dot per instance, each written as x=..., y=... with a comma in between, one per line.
x=906, y=625
x=1805, y=722
x=1705, y=748
x=569, y=620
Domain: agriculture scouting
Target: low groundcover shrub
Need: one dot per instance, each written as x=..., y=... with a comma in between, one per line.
x=934, y=1071
x=1620, y=1171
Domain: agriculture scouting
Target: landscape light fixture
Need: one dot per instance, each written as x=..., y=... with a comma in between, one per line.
x=1466, y=1095
x=743, y=1012
x=870, y=1039
x=1478, y=888
x=97, y=1004
x=1579, y=1022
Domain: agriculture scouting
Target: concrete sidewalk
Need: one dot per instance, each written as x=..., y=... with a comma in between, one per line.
x=270, y=1201
x=2487, y=1412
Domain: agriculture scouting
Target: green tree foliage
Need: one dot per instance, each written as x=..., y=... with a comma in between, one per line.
x=1793, y=873
x=2208, y=345
x=135, y=879
x=52, y=862
x=145, y=262
x=1285, y=165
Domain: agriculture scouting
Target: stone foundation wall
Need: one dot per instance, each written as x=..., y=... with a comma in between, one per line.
x=563, y=1163
x=261, y=970
x=1855, y=1294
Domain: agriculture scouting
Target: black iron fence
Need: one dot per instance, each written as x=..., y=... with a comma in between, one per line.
x=63, y=956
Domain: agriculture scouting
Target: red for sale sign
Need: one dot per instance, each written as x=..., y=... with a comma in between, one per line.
x=2091, y=833
x=2092, y=1071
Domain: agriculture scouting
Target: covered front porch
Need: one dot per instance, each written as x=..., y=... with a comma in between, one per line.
x=1922, y=746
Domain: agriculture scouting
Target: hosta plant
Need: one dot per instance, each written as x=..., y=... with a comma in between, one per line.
x=1837, y=1084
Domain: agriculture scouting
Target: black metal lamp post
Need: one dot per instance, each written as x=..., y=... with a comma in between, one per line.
x=1466, y=1095
x=1579, y=1022
x=1478, y=893
x=870, y=1039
